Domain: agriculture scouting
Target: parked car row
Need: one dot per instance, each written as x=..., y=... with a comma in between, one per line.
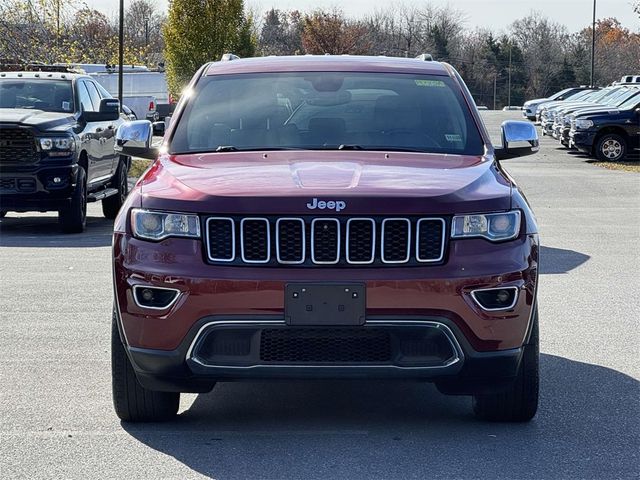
x=604, y=123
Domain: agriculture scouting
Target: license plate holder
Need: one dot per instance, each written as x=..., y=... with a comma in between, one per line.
x=321, y=304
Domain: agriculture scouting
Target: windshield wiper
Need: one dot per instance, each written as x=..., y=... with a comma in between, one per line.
x=349, y=147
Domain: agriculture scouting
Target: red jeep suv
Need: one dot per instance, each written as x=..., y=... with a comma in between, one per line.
x=325, y=217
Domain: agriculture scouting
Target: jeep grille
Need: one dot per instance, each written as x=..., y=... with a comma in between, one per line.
x=306, y=241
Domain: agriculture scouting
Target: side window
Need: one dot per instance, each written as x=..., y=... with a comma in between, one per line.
x=93, y=93
x=103, y=93
x=83, y=97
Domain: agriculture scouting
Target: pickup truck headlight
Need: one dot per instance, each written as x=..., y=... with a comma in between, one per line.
x=583, y=124
x=57, y=146
x=153, y=225
x=492, y=226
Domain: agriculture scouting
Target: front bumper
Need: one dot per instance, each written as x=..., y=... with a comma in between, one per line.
x=582, y=140
x=35, y=189
x=488, y=343
x=467, y=372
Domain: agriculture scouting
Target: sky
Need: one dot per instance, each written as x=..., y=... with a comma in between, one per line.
x=494, y=14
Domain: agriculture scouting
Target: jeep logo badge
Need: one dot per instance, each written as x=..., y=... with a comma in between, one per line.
x=331, y=205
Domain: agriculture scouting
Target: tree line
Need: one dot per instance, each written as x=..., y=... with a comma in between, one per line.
x=534, y=55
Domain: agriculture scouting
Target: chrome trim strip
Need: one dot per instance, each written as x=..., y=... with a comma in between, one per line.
x=304, y=243
x=242, y=239
x=459, y=353
x=373, y=242
x=313, y=230
x=233, y=240
x=513, y=304
x=166, y=307
x=408, y=240
x=442, y=240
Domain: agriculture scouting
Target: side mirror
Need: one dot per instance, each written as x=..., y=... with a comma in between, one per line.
x=134, y=139
x=109, y=110
x=514, y=134
x=158, y=128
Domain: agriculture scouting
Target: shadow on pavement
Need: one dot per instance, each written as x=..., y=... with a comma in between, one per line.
x=559, y=260
x=44, y=231
x=587, y=427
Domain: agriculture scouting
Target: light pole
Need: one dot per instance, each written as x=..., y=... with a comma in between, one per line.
x=593, y=43
x=509, y=94
x=120, y=50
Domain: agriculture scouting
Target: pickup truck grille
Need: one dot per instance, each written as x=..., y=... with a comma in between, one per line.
x=307, y=241
x=17, y=146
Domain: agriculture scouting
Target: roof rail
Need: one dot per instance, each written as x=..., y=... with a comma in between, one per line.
x=425, y=57
x=227, y=57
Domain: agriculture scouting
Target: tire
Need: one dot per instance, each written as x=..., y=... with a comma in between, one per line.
x=111, y=205
x=133, y=402
x=611, y=147
x=519, y=403
x=73, y=218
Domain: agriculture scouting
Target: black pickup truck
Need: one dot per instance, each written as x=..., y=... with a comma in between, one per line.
x=57, y=135
x=609, y=134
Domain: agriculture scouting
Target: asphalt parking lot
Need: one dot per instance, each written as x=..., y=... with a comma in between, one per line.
x=57, y=420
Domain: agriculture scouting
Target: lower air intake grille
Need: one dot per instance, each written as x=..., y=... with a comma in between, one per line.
x=325, y=345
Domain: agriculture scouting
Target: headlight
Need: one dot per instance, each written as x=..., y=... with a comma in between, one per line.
x=57, y=146
x=583, y=124
x=492, y=226
x=152, y=225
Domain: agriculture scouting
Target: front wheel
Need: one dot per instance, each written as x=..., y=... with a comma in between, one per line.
x=133, y=402
x=111, y=205
x=519, y=403
x=611, y=147
x=73, y=217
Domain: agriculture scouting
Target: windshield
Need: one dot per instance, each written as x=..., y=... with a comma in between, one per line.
x=47, y=95
x=621, y=97
x=631, y=102
x=320, y=110
x=560, y=93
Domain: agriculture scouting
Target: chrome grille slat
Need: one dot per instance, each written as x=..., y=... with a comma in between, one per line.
x=325, y=241
x=255, y=240
x=396, y=240
x=361, y=241
x=430, y=232
x=290, y=241
x=307, y=241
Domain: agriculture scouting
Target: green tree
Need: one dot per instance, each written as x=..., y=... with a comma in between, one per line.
x=199, y=31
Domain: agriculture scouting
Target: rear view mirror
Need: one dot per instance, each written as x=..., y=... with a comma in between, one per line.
x=518, y=139
x=159, y=128
x=109, y=110
x=134, y=139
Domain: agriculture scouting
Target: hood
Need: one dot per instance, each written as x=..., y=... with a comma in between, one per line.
x=603, y=109
x=285, y=182
x=535, y=101
x=36, y=118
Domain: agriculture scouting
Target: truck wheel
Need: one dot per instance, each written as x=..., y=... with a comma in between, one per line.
x=133, y=402
x=73, y=217
x=611, y=147
x=111, y=205
x=519, y=403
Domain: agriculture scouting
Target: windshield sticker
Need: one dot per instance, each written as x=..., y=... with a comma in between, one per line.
x=66, y=106
x=453, y=137
x=430, y=83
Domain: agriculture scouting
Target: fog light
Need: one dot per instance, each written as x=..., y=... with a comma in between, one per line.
x=147, y=295
x=155, y=298
x=57, y=179
x=495, y=299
